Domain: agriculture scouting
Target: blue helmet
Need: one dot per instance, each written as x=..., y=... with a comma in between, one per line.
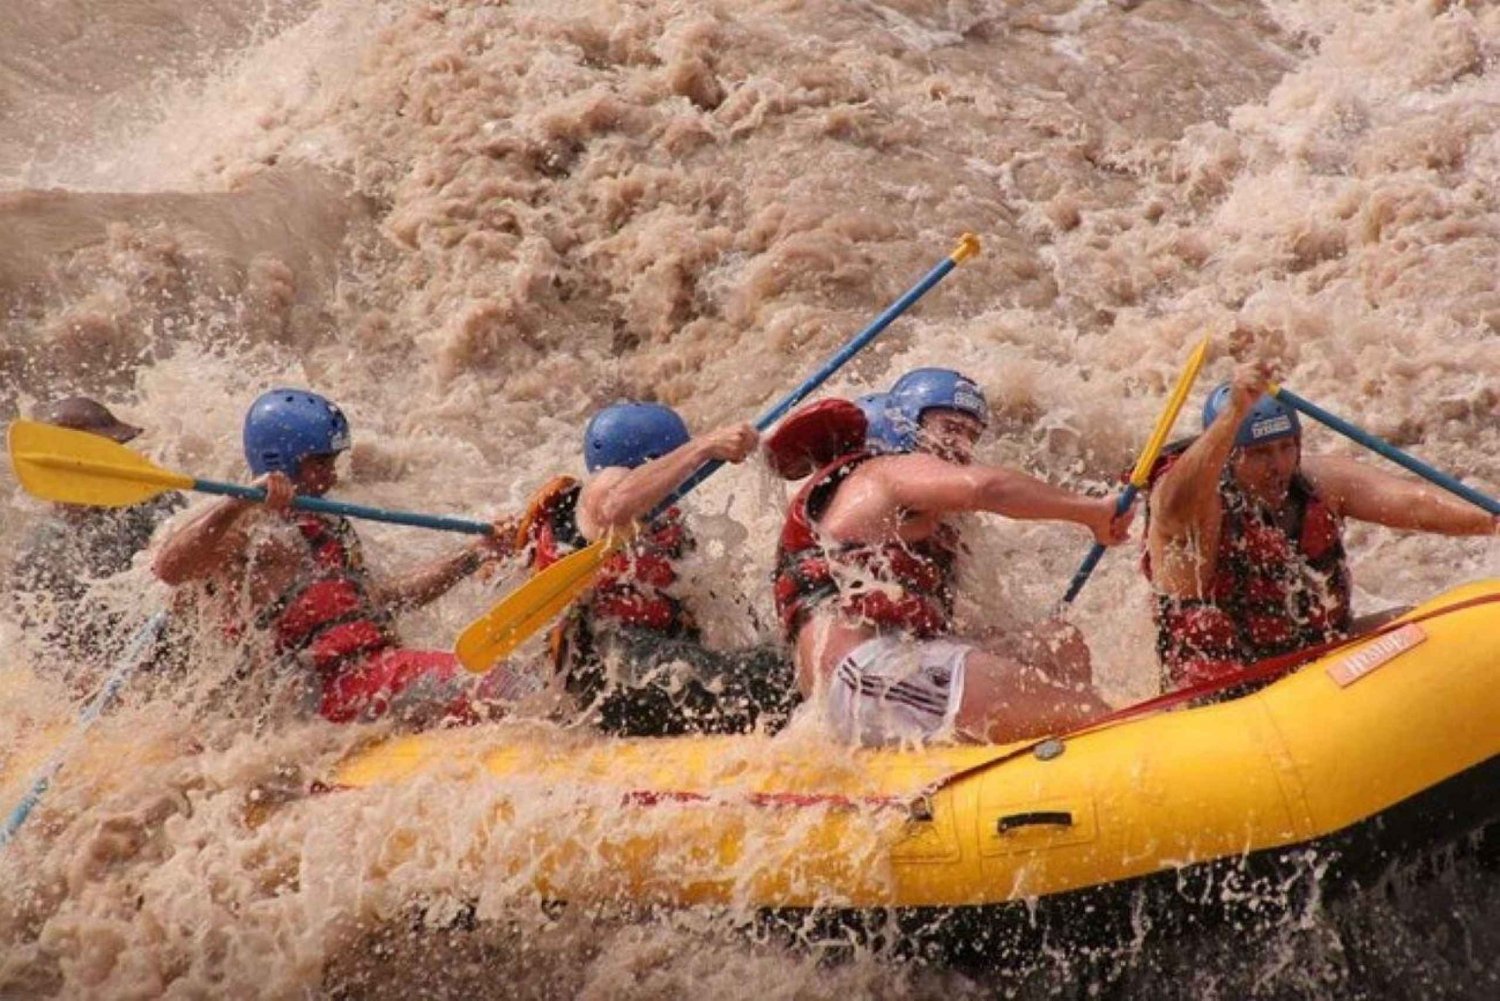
x=880, y=432
x=924, y=389
x=630, y=434
x=1268, y=420
x=285, y=426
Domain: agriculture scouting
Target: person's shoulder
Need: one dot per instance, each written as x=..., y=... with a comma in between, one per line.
x=260, y=524
x=1314, y=464
x=606, y=477
x=594, y=490
x=896, y=472
x=1341, y=480
x=905, y=465
x=1166, y=460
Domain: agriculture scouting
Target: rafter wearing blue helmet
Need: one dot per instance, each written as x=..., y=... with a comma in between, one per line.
x=614, y=648
x=303, y=576
x=926, y=389
x=1244, y=544
x=866, y=580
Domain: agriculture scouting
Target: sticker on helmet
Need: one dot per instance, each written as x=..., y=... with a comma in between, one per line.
x=1280, y=424
x=966, y=397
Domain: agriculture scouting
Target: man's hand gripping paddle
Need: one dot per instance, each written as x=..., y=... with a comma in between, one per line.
x=1147, y=459
x=526, y=610
x=75, y=467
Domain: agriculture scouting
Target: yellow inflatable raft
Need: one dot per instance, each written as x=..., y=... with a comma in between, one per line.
x=1386, y=745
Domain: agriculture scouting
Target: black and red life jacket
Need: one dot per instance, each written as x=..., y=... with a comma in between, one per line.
x=898, y=585
x=1281, y=583
x=633, y=585
x=327, y=618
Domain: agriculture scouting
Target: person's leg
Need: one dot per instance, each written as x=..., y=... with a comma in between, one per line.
x=1005, y=700
x=1057, y=648
x=627, y=685
x=1054, y=645
x=763, y=681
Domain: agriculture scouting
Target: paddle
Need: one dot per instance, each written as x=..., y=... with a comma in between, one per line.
x=530, y=607
x=1385, y=448
x=1147, y=459
x=75, y=467
x=135, y=654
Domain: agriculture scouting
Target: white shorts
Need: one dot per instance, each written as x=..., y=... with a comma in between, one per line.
x=896, y=690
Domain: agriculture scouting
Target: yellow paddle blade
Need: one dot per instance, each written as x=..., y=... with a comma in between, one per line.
x=1169, y=415
x=75, y=467
x=531, y=606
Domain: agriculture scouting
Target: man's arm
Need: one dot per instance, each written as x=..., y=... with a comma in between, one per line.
x=1185, y=501
x=210, y=542
x=204, y=546
x=1359, y=491
x=432, y=580
x=928, y=484
x=617, y=498
x=1182, y=538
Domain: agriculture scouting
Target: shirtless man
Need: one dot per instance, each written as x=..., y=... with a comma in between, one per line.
x=866, y=571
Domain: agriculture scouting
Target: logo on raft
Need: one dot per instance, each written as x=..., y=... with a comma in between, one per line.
x=1384, y=650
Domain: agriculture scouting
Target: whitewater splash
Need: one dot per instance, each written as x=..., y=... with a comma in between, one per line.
x=474, y=223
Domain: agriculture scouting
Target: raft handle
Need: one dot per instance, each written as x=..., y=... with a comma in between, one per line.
x=1054, y=818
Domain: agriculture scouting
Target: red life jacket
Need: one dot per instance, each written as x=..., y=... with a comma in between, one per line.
x=899, y=585
x=1278, y=586
x=632, y=585
x=328, y=618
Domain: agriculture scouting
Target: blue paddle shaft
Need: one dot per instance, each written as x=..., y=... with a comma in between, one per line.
x=1385, y=448
x=320, y=504
x=1127, y=497
x=821, y=376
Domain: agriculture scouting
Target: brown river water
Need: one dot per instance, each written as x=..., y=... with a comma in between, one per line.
x=473, y=223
